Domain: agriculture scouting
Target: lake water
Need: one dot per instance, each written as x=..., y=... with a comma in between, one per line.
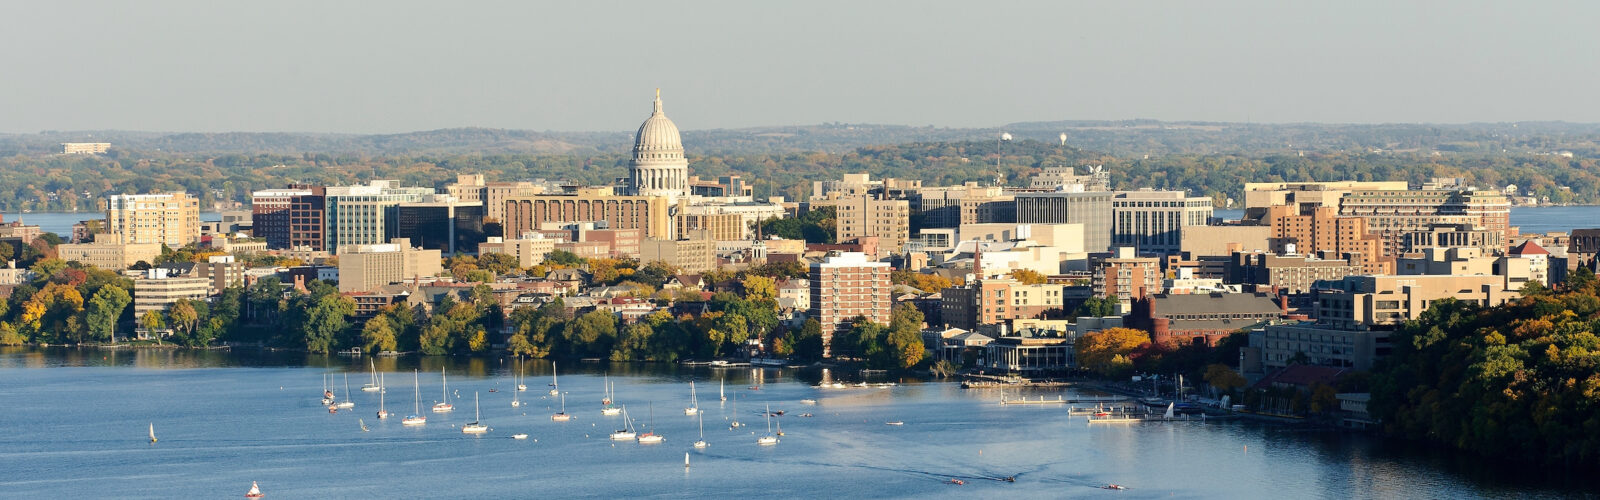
x=1537, y=220
x=78, y=419
x=61, y=222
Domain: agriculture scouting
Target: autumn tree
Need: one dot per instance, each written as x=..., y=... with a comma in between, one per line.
x=1029, y=277
x=1107, y=351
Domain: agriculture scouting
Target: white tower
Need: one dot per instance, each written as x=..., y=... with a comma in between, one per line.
x=658, y=167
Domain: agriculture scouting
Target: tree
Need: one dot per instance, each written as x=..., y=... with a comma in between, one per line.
x=325, y=315
x=103, y=311
x=905, y=336
x=183, y=316
x=1095, y=307
x=378, y=335
x=808, y=341
x=1223, y=378
x=152, y=323
x=1029, y=277
x=1106, y=352
x=759, y=288
x=564, y=258
x=592, y=334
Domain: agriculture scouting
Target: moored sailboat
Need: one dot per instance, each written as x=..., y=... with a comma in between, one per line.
x=702, y=442
x=555, y=386
x=610, y=409
x=374, y=385
x=768, y=439
x=415, y=418
x=694, y=401
x=444, y=387
x=382, y=413
x=255, y=491
x=626, y=433
x=347, y=402
x=650, y=437
x=562, y=416
x=475, y=427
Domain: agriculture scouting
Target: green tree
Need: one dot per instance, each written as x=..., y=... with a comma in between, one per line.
x=152, y=322
x=378, y=335
x=905, y=336
x=1095, y=307
x=104, y=309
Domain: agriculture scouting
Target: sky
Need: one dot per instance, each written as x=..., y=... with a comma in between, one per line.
x=402, y=65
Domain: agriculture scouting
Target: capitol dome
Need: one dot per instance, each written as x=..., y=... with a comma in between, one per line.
x=658, y=134
x=658, y=167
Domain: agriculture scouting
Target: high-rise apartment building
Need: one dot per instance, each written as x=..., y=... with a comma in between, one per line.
x=308, y=221
x=1320, y=229
x=1092, y=209
x=1153, y=221
x=1391, y=214
x=1125, y=276
x=845, y=286
x=169, y=218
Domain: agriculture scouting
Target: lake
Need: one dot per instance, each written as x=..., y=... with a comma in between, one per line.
x=1535, y=220
x=79, y=418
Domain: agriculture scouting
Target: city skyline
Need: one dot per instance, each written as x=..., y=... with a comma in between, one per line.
x=408, y=67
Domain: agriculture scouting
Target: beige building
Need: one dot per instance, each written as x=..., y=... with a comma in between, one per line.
x=845, y=286
x=721, y=227
x=649, y=213
x=1126, y=277
x=1368, y=301
x=222, y=272
x=471, y=188
x=1306, y=195
x=969, y=203
x=864, y=215
x=170, y=218
x=84, y=148
x=529, y=250
x=156, y=290
x=108, y=255
x=690, y=256
x=1092, y=209
x=363, y=268
x=1391, y=215
x=1211, y=241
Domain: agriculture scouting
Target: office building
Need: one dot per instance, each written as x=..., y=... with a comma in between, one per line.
x=270, y=214
x=693, y=255
x=1092, y=209
x=530, y=250
x=363, y=268
x=1290, y=274
x=1124, y=276
x=84, y=148
x=366, y=214
x=648, y=213
x=109, y=255
x=159, y=288
x=1153, y=221
x=969, y=203
x=441, y=223
x=864, y=215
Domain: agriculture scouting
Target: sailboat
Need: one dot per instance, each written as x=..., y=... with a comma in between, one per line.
x=555, y=387
x=651, y=437
x=382, y=413
x=563, y=416
x=363, y=424
x=735, y=423
x=610, y=409
x=702, y=442
x=626, y=433
x=606, y=399
x=474, y=427
x=347, y=403
x=515, y=400
x=152, y=432
x=255, y=491
x=520, y=386
x=694, y=401
x=415, y=418
x=374, y=385
x=721, y=389
x=327, y=390
x=1169, y=415
x=444, y=387
x=769, y=438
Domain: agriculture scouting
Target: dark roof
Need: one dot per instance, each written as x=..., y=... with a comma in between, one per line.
x=1302, y=376
x=1214, y=303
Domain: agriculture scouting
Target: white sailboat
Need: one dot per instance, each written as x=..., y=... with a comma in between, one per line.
x=444, y=387
x=382, y=413
x=415, y=418
x=1169, y=414
x=626, y=433
x=475, y=427
x=606, y=399
x=694, y=401
x=152, y=432
x=555, y=386
x=520, y=386
x=563, y=416
x=374, y=385
x=650, y=437
x=702, y=442
x=327, y=389
x=347, y=402
x=768, y=439
x=255, y=491
x=721, y=390
x=516, y=401
x=610, y=409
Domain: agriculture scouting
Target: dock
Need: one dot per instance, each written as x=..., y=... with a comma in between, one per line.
x=1060, y=400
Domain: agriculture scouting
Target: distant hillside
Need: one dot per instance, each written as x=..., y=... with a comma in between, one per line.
x=1128, y=139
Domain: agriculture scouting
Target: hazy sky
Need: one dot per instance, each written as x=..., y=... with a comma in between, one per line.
x=393, y=66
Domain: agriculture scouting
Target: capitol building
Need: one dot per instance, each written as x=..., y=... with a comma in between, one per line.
x=658, y=167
